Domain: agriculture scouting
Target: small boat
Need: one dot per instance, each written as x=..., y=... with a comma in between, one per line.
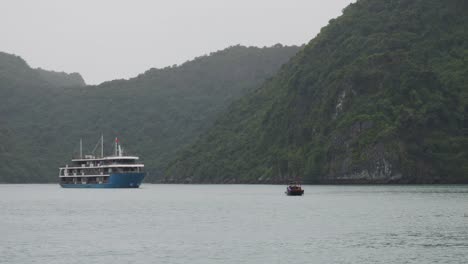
x=294, y=189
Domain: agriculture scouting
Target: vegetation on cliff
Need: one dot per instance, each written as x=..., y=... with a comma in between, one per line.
x=380, y=95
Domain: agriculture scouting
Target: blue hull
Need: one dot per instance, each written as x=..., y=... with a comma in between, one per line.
x=116, y=180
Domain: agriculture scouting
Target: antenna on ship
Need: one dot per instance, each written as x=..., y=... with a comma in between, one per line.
x=102, y=145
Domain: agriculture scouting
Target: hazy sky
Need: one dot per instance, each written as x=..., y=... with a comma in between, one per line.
x=113, y=39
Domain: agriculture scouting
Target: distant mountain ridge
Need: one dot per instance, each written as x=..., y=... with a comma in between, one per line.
x=62, y=79
x=379, y=96
x=44, y=114
x=12, y=66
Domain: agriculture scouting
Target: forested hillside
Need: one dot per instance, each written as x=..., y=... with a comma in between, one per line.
x=44, y=114
x=379, y=96
x=25, y=97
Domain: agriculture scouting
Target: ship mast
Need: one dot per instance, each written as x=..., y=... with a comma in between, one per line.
x=81, y=148
x=102, y=146
x=116, y=147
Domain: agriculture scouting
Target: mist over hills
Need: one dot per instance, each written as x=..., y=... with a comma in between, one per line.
x=44, y=114
x=379, y=96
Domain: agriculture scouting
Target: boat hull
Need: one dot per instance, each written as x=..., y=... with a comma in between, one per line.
x=296, y=193
x=116, y=180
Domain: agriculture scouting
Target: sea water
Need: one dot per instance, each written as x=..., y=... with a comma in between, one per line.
x=233, y=224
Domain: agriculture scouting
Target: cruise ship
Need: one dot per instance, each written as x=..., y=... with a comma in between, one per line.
x=115, y=171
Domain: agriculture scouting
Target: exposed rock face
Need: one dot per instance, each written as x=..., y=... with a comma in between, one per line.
x=375, y=168
x=372, y=164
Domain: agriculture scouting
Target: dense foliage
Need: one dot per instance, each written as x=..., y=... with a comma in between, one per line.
x=380, y=95
x=44, y=114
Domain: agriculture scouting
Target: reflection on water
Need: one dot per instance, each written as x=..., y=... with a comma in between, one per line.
x=234, y=224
